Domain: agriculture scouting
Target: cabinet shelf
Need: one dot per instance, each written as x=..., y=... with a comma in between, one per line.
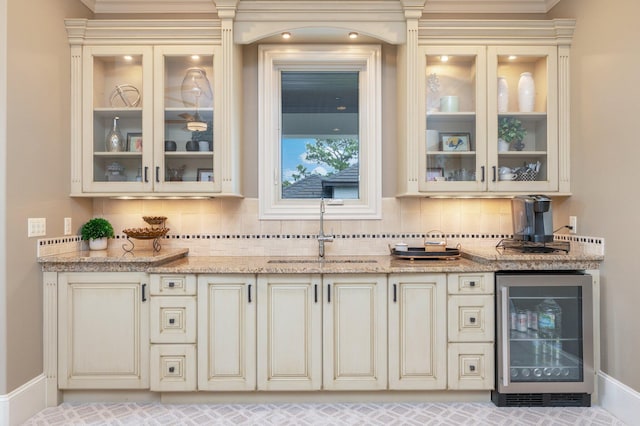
x=451, y=153
x=120, y=112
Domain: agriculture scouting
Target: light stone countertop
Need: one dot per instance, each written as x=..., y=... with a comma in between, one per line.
x=481, y=259
x=314, y=265
x=111, y=260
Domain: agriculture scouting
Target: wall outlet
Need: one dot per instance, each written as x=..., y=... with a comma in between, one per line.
x=573, y=223
x=36, y=227
x=67, y=226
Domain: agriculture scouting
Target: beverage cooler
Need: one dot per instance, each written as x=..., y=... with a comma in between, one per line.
x=544, y=339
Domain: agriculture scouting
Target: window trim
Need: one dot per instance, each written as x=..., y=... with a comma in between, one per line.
x=274, y=58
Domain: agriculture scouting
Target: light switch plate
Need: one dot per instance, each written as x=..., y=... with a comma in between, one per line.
x=37, y=227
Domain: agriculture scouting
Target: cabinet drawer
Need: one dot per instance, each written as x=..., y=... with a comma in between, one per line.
x=173, y=368
x=471, y=366
x=471, y=318
x=173, y=285
x=473, y=283
x=173, y=319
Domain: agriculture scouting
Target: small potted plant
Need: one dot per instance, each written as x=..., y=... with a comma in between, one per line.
x=97, y=231
x=510, y=130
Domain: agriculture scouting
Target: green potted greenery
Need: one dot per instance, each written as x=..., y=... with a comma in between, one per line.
x=510, y=129
x=97, y=231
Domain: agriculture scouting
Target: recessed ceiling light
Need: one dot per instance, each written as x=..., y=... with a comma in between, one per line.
x=195, y=57
x=512, y=57
x=128, y=58
x=444, y=58
x=341, y=108
x=286, y=35
x=336, y=129
x=353, y=35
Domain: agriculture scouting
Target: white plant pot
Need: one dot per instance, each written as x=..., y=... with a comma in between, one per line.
x=503, y=145
x=98, y=244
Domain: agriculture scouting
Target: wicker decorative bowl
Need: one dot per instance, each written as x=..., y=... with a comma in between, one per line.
x=154, y=220
x=145, y=233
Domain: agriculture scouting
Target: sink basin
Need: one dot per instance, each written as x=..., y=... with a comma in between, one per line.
x=322, y=261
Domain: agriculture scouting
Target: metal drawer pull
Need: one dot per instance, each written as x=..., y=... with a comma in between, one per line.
x=315, y=293
x=144, y=292
x=249, y=293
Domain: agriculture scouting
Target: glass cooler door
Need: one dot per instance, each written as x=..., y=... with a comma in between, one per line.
x=545, y=333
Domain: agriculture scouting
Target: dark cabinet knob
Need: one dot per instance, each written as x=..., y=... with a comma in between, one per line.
x=472, y=283
x=172, y=284
x=472, y=320
x=172, y=369
x=472, y=368
x=172, y=320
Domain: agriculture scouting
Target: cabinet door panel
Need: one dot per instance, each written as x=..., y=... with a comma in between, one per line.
x=104, y=340
x=289, y=332
x=226, y=332
x=354, y=331
x=417, y=331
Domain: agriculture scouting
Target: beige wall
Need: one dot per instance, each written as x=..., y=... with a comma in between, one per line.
x=605, y=94
x=37, y=170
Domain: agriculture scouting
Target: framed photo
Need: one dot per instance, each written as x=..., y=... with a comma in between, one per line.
x=134, y=142
x=455, y=141
x=205, y=175
x=434, y=173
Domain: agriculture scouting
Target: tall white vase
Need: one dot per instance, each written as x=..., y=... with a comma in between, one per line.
x=526, y=92
x=503, y=95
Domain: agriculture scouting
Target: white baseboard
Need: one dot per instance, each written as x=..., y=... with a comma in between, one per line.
x=618, y=399
x=20, y=404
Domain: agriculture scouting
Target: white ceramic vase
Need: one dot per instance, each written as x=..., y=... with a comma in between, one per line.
x=526, y=92
x=503, y=95
x=503, y=145
x=98, y=244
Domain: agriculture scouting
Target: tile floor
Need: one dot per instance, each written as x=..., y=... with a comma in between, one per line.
x=340, y=414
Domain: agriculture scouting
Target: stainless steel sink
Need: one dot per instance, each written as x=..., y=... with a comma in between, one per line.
x=322, y=261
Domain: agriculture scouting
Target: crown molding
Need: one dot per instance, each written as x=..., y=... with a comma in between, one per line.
x=212, y=6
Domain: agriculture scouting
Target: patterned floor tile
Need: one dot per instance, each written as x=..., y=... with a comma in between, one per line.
x=346, y=414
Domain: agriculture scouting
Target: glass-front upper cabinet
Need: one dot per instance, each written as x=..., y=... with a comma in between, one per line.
x=491, y=119
x=454, y=150
x=523, y=111
x=152, y=127
x=184, y=125
x=117, y=104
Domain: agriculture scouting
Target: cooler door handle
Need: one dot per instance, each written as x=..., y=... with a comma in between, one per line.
x=504, y=343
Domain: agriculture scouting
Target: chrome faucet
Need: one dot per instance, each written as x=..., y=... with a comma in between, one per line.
x=322, y=238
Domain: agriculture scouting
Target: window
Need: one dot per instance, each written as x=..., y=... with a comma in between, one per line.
x=319, y=131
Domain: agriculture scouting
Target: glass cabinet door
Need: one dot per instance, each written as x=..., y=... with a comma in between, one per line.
x=184, y=120
x=522, y=129
x=454, y=148
x=118, y=93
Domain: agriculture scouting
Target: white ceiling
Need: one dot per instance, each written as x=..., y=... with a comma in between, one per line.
x=209, y=6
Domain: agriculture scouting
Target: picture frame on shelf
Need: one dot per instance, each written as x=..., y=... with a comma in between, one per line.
x=205, y=175
x=134, y=142
x=434, y=173
x=457, y=142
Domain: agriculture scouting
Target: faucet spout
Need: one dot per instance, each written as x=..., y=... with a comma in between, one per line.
x=322, y=237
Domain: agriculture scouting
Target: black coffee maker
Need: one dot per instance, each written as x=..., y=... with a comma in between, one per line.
x=532, y=218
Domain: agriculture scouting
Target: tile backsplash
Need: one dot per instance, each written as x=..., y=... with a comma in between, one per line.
x=230, y=227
